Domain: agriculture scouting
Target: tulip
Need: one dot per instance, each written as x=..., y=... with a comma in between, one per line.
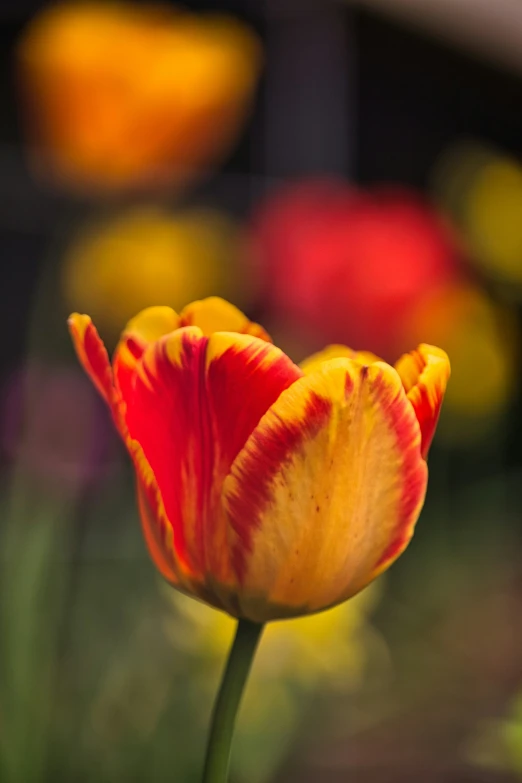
x=121, y=95
x=265, y=489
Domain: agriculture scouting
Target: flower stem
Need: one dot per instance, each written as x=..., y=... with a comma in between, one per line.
x=228, y=700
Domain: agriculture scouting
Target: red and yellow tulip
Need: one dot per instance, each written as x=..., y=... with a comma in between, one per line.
x=266, y=489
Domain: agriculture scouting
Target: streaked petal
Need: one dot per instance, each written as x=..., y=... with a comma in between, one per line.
x=326, y=492
x=92, y=354
x=425, y=373
x=196, y=401
x=157, y=531
x=217, y=315
x=314, y=362
x=145, y=328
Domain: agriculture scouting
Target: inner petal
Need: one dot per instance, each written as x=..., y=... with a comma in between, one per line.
x=335, y=351
x=142, y=330
x=217, y=315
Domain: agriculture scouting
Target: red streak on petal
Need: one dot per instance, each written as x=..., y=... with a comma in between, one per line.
x=270, y=450
x=154, y=531
x=414, y=472
x=424, y=378
x=428, y=412
x=135, y=347
x=98, y=362
x=349, y=382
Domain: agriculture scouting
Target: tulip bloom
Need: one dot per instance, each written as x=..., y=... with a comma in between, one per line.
x=266, y=489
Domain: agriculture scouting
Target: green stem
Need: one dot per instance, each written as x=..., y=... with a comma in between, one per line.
x=228, y=700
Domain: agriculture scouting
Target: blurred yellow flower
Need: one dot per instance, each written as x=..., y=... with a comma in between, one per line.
x=493, y=219
x=497, y=743
x=147, y=255
x=482, y=340
x=121, y=95
x=482, y=190
x=331, y=646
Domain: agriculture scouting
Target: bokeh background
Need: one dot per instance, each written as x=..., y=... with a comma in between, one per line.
x=344, y=172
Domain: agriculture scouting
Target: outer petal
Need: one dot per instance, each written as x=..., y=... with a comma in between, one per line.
x=156, y=530
x=142, y=330
x=217, y=315
x=92, y=354
x=314, y=362
x=196, y=400
x=326, y=492
x=94, y=358
x=425, y=373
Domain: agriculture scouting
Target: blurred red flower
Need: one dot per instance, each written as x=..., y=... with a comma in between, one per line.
x=347, y=264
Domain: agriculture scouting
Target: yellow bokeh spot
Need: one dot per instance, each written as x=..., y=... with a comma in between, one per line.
x=493, y=219
x=148, y=257
x=331, y=646
x=482, y=191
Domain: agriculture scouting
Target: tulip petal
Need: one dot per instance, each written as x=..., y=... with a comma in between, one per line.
x=156, y=532
x=425, y=373
x=195, y=402
x=326, y=492
x=92, y=354
x=217, y=315
x=314, y=362
x=145, y=328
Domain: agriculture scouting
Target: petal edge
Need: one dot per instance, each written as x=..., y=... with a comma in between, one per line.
x=92, y=354
x=425, y=373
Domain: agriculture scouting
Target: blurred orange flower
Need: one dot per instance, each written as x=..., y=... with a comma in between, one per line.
x=265, y=489
x=345, y=263
x=121, y=95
